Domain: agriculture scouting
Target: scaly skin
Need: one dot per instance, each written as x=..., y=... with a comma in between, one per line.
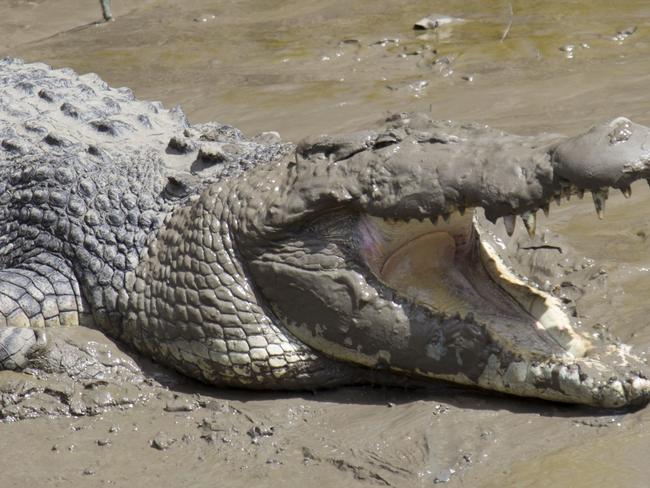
x=249, y=263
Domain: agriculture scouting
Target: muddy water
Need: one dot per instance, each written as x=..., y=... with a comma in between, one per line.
x=304, y=67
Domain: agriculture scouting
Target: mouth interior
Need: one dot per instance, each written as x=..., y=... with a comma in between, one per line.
x=448, y=268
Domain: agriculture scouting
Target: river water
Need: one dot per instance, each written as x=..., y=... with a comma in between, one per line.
x=307, y=67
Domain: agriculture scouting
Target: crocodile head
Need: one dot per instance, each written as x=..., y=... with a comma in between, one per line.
x=372, y=248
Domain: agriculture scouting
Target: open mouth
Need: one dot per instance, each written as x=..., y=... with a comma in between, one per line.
x=386, y=272
x=450, y=268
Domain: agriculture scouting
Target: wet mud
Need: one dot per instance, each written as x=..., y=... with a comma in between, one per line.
x=308, y=67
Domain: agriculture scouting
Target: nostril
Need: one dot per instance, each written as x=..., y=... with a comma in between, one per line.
x=621, y=132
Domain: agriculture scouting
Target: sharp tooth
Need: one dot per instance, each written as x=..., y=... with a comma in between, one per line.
x=581, y=193
x=509, y=223
x=626, y=191
x=446, y=217
x=566, y=192
x=600, y=197
x=461, y=210
x=558, y=199
x=546, y=209
x=530, y=222
x=434, y=220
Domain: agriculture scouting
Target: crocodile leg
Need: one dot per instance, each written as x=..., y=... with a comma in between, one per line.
x=41, y=292
x=69, y=370
x=17, y=344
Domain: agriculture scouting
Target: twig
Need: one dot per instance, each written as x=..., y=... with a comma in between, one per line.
x=106, y=10
x=507, y=30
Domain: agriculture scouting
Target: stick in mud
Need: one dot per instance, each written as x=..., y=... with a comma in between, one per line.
x=106, y=10
x=509, y=26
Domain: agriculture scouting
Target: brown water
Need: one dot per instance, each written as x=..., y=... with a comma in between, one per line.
x=305, y=67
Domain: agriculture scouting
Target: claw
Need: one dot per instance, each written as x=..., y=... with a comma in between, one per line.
x=16, y=346
x=626, y=191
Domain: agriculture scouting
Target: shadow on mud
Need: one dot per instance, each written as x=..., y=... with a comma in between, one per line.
x=399, y=392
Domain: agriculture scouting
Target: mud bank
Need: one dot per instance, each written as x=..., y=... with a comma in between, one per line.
x=308, y=67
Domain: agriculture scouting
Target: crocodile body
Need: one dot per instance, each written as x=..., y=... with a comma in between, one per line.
x=261, y=264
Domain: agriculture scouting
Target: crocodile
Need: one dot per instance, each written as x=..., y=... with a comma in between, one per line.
x=257, y=263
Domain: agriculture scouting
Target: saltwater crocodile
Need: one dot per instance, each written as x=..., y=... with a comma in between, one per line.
x=261, y=264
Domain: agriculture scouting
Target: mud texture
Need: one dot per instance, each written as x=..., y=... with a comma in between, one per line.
x=307, y=67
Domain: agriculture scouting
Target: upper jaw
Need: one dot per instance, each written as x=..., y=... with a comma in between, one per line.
x=613, y=154
x=415, y=167
x=610, y=155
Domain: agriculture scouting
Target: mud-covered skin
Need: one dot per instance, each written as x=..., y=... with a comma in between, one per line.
x=207, y=250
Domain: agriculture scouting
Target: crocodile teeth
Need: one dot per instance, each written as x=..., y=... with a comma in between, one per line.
x=509, y=222
x=546, y=209
x=600, y=197
x=581, y=193
x=434, y=220
x=626, y=191
x=461, y=210
x=530, y=222
x=446, y=217
x=558, y=199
